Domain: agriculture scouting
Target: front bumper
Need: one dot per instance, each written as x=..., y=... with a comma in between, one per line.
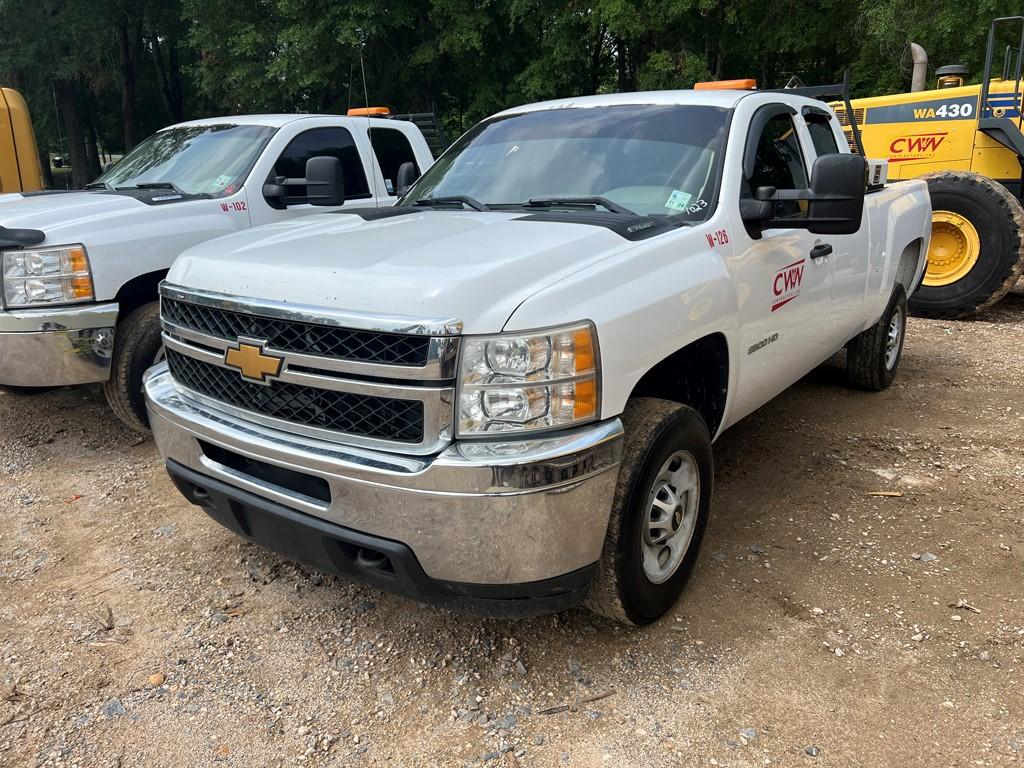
x=56, y=347
x=512, y=528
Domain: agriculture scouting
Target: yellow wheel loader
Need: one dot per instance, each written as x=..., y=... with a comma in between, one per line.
x=966, y=140
x=19, y=158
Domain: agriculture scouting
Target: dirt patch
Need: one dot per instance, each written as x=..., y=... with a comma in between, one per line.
x=821, y=628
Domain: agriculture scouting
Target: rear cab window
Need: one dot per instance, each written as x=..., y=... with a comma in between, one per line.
x=819, y=126
x=392, y=149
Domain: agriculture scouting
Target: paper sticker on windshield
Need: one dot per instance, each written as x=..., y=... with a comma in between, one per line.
x=221, y=181
x=678, y=200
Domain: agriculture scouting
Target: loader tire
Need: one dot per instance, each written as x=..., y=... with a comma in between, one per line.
x=977, y=248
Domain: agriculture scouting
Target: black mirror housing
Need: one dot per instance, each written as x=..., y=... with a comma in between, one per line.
x=406, y=177
x=835, y=199
x=324, y=184
x=838, y=184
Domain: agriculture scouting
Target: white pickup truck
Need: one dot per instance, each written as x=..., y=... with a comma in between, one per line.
x=500, y=394
x=80, y=270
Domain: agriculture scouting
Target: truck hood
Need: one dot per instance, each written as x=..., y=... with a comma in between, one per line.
x=52, y=211
x=473, y=266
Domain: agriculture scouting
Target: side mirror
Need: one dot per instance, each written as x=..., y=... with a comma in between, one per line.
x=324, y=184
x=835, y=199
x=406, y=177
x=838, y=183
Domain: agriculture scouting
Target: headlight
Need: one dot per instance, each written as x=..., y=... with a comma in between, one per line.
x=59, y=275
x=523, y=382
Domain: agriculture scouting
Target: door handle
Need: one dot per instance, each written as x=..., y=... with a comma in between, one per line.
x=821, y=251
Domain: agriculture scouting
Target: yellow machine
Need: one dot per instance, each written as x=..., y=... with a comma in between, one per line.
x=19, y=157
x=967, y=141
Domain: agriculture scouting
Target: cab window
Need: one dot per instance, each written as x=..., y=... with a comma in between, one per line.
x=822, y=137
x=333, y=142
x=779, y=162
x=392, y=148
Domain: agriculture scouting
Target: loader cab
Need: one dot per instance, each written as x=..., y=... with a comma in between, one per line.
x=19, y=158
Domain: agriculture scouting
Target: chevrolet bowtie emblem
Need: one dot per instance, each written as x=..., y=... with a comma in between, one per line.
x=249, y=359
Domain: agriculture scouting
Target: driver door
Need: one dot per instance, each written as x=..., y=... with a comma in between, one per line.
x=784, y=288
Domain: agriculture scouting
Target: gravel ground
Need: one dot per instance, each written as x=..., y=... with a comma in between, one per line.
x=825, y=625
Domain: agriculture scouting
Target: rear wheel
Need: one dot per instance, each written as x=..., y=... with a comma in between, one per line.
x=137, y=347
x=977, y=245
x=873, y=356
x=659, y=512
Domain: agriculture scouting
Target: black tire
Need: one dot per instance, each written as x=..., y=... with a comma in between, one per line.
x=136, y=348
x=655, y=431
x=13, y=390
x=868, y=362
x=999, y=220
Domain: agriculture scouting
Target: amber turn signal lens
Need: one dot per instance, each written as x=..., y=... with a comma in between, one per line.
x=585, y=406
x=81, y=287
x=77, y=261
x=583, y=343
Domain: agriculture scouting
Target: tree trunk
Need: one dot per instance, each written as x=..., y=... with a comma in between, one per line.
x=620, y=62
x=67, y=97
x=92, y=151
x=174, y=76
x=127, y=83
x=596, y=60
x=162, y=80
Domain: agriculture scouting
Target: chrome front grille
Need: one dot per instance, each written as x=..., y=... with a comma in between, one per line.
x=384, y=418
x=359, y=379
x=294, y=336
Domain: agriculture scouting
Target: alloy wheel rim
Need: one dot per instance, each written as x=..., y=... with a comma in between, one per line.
x=670, y=517
x=894, y=339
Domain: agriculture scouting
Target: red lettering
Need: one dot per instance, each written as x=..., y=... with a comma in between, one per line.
x=917, y=144
x=711, y=241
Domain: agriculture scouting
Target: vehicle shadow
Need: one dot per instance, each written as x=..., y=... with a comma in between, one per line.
x=1009, y=310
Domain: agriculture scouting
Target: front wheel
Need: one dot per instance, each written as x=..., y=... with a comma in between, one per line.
x=659, y=513
x=137, y=347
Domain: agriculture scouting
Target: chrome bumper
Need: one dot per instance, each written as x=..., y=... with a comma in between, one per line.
x=56, y=347
x=477, y=513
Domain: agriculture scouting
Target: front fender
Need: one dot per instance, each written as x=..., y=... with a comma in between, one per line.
x=647, y=303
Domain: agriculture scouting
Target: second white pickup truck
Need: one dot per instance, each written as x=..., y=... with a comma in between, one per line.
x=79, y=270
x=501, y=394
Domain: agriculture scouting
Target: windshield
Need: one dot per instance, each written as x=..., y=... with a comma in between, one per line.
x=197, y=160
x=654, y=160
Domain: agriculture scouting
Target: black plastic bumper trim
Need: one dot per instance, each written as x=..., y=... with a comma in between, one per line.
x=378, y=562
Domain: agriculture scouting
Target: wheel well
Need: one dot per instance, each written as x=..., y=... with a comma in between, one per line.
x=696, y=375
x=909, y=260
x=138, y=291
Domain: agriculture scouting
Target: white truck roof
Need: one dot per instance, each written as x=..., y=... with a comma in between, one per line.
x=711, y=98
x=273, y=121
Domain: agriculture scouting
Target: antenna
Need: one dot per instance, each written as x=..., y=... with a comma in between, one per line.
x=374, y=165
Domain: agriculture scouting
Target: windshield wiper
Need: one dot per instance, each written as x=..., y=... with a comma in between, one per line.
x=589, y=201
x=154, y=185
x=97, y=185
x=461, y=200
